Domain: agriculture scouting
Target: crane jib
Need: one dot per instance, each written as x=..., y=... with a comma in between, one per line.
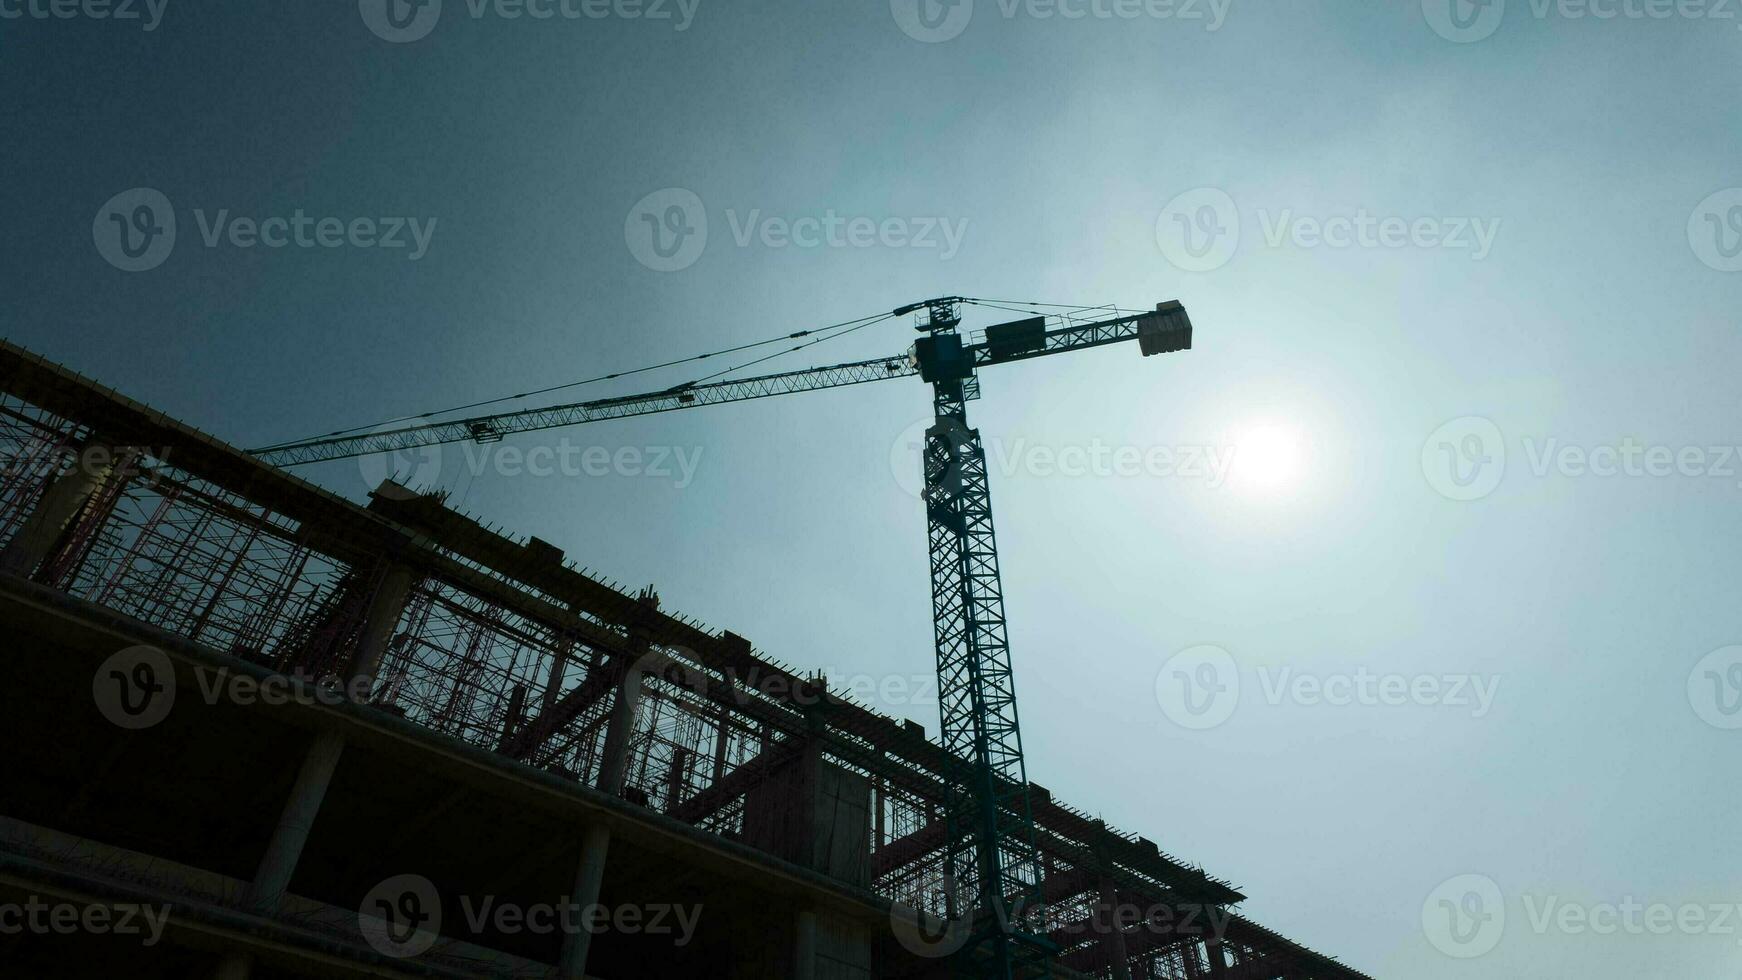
x=1166, y=330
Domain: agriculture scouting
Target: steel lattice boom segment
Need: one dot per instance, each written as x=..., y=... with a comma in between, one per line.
x=1168, y=325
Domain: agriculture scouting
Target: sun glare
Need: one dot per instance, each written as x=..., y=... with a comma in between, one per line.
x=1268, y=459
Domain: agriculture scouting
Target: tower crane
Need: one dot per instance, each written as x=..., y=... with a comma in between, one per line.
x=990, y=829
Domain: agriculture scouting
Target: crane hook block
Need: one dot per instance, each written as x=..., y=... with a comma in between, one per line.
x=941, y=358
x=1165, y=331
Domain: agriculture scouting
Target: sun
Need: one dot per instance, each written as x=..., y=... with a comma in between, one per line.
x=1269, y=459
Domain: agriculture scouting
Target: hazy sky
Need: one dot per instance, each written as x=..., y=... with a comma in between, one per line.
x=1426, y=252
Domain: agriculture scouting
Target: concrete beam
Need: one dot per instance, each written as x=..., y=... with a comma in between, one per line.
x=540, y=730
x=906, y=850
x=737, y=782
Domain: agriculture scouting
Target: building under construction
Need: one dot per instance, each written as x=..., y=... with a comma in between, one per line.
x=303, y=737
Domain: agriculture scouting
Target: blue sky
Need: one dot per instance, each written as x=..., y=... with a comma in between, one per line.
x=1483, y=285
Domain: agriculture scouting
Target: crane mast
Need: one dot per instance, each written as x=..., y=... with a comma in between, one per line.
x=992, y=871
x=991, y=852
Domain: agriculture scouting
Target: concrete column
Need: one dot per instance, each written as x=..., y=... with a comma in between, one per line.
x=36, y=539
x=284, y=850
x=596, y=839
x=614, y=758
x=578, y=942
x=804, y=946
x=1112, y=933
x=385, y=608
x=272, y=879
x=1218, y=963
